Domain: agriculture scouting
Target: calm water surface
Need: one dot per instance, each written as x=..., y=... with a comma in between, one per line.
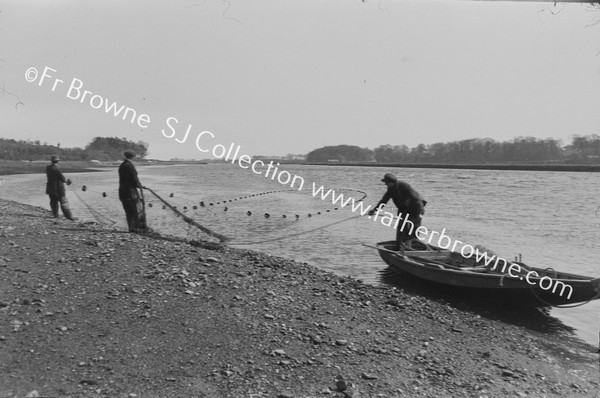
x=550, y=218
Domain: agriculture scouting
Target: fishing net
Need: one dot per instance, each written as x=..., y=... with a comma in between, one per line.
x=243, y=219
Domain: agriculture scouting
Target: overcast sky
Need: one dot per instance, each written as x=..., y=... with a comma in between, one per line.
x=280, y=77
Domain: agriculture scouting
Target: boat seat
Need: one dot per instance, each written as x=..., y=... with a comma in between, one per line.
x=429, y=254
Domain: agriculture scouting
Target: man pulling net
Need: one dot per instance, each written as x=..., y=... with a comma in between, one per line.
x=130, y=197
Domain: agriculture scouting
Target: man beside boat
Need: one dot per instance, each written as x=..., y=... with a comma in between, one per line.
x=411, y=206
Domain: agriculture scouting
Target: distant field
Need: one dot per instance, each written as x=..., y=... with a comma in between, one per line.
x=26, y=167
x=73, y=166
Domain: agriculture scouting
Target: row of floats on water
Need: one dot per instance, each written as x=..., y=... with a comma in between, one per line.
x=248, y=213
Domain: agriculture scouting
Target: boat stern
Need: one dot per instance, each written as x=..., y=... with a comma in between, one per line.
x=596, y=285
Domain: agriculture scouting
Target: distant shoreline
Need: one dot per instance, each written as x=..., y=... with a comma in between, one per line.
x=463, y=166
x=515, y=167
x=8, y=167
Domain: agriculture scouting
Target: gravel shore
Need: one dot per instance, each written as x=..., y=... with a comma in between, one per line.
x=91, y=312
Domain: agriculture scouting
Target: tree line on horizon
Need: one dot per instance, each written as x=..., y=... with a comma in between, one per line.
x=582, y=149
x=100, y=148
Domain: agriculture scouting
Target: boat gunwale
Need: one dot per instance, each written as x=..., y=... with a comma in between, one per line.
x=416, y=260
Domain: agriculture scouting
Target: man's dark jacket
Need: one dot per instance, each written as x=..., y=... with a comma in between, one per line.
x=128, y=181
x=55, y=186
x=406, y=199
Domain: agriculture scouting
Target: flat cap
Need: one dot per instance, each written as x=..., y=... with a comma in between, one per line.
x=389, y=177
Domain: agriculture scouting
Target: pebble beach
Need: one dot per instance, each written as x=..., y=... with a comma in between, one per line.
x=93, y=312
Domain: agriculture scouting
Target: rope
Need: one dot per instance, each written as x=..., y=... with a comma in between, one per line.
x=187, y=219
x=563, y=305
x=295, y=234
x=310, y=230
x=213, y=206
x=210, y=206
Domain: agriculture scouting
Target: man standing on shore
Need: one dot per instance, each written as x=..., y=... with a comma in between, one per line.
x=410, y=206
x=55, y=188
x=129, y=196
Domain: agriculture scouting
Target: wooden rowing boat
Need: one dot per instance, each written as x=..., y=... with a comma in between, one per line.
x=439, y=266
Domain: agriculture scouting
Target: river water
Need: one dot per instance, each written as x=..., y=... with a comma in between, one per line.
x=549, y=218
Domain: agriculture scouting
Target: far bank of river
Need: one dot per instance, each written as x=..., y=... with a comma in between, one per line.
x=27, y=167
x=514, y=167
